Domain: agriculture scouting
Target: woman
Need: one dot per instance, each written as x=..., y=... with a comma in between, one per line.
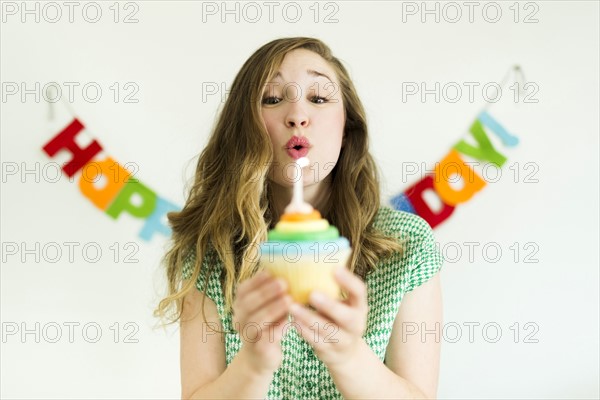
x=290, y=97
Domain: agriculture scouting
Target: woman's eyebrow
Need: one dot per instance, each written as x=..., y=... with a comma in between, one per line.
x=311, y=72
x=317, y=73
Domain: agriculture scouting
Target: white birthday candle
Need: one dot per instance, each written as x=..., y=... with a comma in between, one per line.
x=298, y=205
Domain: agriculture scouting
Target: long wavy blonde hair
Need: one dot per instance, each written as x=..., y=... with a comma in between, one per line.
x=229, y=208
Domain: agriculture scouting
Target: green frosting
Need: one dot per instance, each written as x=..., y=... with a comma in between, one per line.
x=330, y=233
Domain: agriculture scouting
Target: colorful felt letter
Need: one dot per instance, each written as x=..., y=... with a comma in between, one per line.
x=115, y=177
x=444, y=171
x=154, y=223
x=485, y=151
x=123, y=202
x=415, y=195
x=507, y=139
x=402, y=203
x=66, y=139
x=472, y=182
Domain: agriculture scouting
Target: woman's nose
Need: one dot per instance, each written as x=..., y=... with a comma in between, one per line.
x=296, y=117
x=294, y=122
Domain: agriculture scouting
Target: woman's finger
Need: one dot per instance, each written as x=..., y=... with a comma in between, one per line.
x=313, y=327
x=262, y=295
x=307, y=316
x=273, y=311
x=336, y=311
x=353, y=285
x=250, y=284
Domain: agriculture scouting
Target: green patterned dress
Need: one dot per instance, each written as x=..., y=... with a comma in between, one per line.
x=302, y=375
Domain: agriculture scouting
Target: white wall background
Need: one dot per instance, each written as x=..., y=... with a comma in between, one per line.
x=170, y=52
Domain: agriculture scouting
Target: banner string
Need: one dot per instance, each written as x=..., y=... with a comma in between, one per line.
x=519, y=78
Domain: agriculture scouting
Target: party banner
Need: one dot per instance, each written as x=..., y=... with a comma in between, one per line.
x=120, y=193
x=123, y=193
x=453, y=168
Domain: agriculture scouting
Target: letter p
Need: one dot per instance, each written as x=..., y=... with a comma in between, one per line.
x=409, y=328
x=209, y=8
x=409, y=88
x=9, y=328
x=8, y=88
x=409, y=8
x=209, y=88
x=9, y=8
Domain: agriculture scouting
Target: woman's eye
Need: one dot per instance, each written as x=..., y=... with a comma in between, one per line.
x=271, y=100
x=319, y=100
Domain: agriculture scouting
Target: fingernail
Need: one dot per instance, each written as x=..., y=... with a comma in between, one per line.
x=295, y=308
x=317, y=297
x=281, y=285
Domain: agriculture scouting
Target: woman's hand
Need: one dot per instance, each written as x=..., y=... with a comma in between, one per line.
x=260, y=312
x=336, y=329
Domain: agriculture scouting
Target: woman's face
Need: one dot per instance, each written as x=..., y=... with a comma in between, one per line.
x=304, y=115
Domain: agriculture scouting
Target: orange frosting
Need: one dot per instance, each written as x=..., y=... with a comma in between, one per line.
x=296, y=217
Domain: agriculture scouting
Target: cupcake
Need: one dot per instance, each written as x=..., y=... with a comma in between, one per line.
x=304, y=249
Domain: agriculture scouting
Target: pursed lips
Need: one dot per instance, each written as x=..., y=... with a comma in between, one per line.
x=297, y=147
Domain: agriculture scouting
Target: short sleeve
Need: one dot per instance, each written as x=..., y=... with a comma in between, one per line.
x=426, y=259
x=189, y=264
